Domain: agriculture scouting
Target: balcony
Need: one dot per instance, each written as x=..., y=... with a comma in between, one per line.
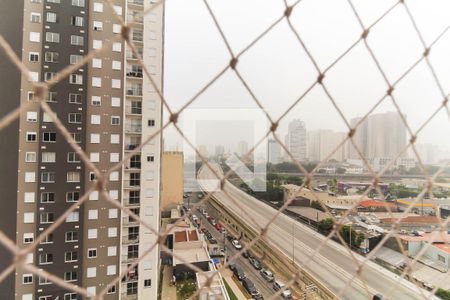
x=136, y=2
x=130, y=239
x=136, y=129
x=131, y=147
x=135, y=74
x=129, y=221
x=132, y=183
x=133, y=110
x=134, y=92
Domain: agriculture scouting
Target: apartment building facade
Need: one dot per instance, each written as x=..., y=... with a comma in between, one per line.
x=109, y=106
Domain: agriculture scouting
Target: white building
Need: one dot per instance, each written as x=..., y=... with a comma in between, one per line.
x=273, y=152
x=321, y=143
x=296, y=140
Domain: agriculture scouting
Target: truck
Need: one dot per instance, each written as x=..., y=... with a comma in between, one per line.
x=215, y=250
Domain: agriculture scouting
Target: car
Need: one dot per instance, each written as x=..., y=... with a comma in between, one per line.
x=256, y=264
x=204, y=230
x=267, y=275
x=236, y=244
x=213, y=241
x=223, y=230
x=218, y=226
x=239, y=273
x=222, y=252
x=213, y=222
x=286, y=293
x=232, y=266
x=230, y=238
x=250, y=287
x=246, y=254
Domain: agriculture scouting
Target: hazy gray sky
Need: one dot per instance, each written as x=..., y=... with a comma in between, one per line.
x=278, y=70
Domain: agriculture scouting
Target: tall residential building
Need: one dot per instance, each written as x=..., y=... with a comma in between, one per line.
x=273, y=152
x=109, y=107
x=380, y=135
x=321, y=143
x=295, y=140
x=242, y=148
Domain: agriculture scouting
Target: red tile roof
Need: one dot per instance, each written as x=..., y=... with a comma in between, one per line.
x=180, y=236
x=373, y=203
x=413, y=220
x=443, y=247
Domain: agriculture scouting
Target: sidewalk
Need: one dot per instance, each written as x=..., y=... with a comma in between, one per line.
x=228, y=277
x=169, y=292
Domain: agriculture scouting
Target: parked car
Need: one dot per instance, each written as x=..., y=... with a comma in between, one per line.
x=267, y=275
x=236, y=244
x=256, y=264
x=213, y=222
x=250, y=287
x=218, y=226
x=246, y=254
x=223, y=230
x=230, y=238
x=232, y=266
x=278, y=285
x=239, y=273
x=213, y=241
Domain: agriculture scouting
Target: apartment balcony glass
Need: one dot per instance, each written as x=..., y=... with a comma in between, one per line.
x=134, y=89
x=136, y=2
x=133, y=128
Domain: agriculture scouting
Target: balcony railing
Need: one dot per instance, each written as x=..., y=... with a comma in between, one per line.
x=133, y=110
x=129, y=221
x=135, y=74
x=134, y=92
x=136, y=2
x=131, y=201
x=130, y=239
x=133, y=129
x=130, y=147
x=132, y=183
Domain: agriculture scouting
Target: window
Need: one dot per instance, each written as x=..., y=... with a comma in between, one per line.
x=34, y=76
x=44, y=281
x=115, y=120
x=117, y=47
x=93, y=214
x=75, y=59
x=72, y=217
x=35, y=37
x=31, y=116
x=70, y=276
x=112, y=232
x=54, y=1
x=33, y=56
x=49, y=76
x=76, y=40
x=45, y=258
x=98, y=26
x=48, y=157
x=151, y=123
x=72, y=196
x=31, y=136
x=29, y=197
x=73, y=176
x=77, y=21
x=112, y=251
x=75, y=98
x=51, y=17
x=52, y=37
x=76, y=79
x=113, y=213
x=96, y=81
x=133, y=251
x=95, y=119
x=111, y=290
x=30, y=96
x=49, y=137
x=92, y=176
x=79, y=3
x=116, y=83
x=71, y=296
x=147, y=283
x=92, y=253
x=117, y=28
x=114, y=157
x=52, y=96
x=28, y=238
x=94, y=157
x=152, y=35
x=96, y=100
x=48, y=177
x=51, y=57
x=47, y=218
x=98, y=7
x=71, y=256
x=97, y=44
x=137, y=35
x=132, y=288
x=30, y=177
x=116, y=65
x=71, y=236
x=96, y=63
x=76, y=137
x=91, y=272
x=115, y=139
x=115, y=101
x=95, y=138
x=46, y=118
x=111, y=270
x=118, y=9
x=72, y=157
x=27, y=278
x=75, y=118
x=92, y=233
x=28, y=218
x=47, y=197
x=48, y=239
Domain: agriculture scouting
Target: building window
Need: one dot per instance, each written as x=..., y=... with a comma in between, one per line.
x=92, y=176
x=48, y=157
x=72, y=196
x=96, y=81
x=30, y=157
x=71, y=236
x=71, y=256
x=51, y=97
x=79, y=3
x=117, y=47
x=92, y=233
x=98, y=7
x=46, y=118
x=76, y=137
x=75, y=118
x=73, y=217
x=30, y=96
x=133, y=251
x=111, y=270
x=28, y=218
x=33, y=56
x=72, y=157
x=48, y=239
x=71, y=296
x=31, y=116
x=54, y=1
x=95, y=138
x=35, y=17
x=28, y=238
x=47, y=218
x=91, y=272
x=76, y=79
x=98, y=26
x=112, y=290
x=73, y=176
x=47, y=197
x=92, y=253
x=51, y=17
x=45, y=258
x=31, y=136
x=151, y=123
x=48, y=177
x=28, y=197
x=97, y=44
x=70, y=276
x=75, y=59
x=93, y=214
x=97, y=63
x=115, y=120
x=76, y=40
x=49, y=137
x=96, y=101
x=27, y=278
x=116, y=83
x=150, y=158
x=30, y=177
x=49, y=76
x=147, y=283
x=95, y=119
x=77, y=21
x=44, y=281
x=75, y=98
x=51, y=57
x=52, y=37
x=35, y=37
x=132, y=288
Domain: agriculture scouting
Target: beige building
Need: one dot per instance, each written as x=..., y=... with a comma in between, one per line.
x=321, y=143
x=172, y=179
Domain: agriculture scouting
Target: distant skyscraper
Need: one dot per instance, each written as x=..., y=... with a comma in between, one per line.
x=242, y=148
x=273, y=152
x=321, y=143
x=379, y=136
x=220, y=150
x=296, y=140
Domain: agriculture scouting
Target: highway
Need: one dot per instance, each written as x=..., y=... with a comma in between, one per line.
x=333, y=266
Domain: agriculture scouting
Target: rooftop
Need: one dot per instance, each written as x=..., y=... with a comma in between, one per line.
x=444, y=247
x=186, y=235
x=427, y=220
x=374, y=203
x=308, y=212
x=436, y=236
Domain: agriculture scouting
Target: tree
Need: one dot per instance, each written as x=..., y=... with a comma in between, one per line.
x=443, y=294
x=325, y=226
x=357, y=238
x=317, y=205
x=293, y=180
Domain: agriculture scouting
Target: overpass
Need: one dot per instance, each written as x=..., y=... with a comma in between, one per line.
x=333, y=267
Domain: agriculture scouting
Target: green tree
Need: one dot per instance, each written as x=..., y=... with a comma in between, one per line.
x=317, y=205
x=293, y=180
x=325, y=226
x=357, y=238
x=443, y=294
